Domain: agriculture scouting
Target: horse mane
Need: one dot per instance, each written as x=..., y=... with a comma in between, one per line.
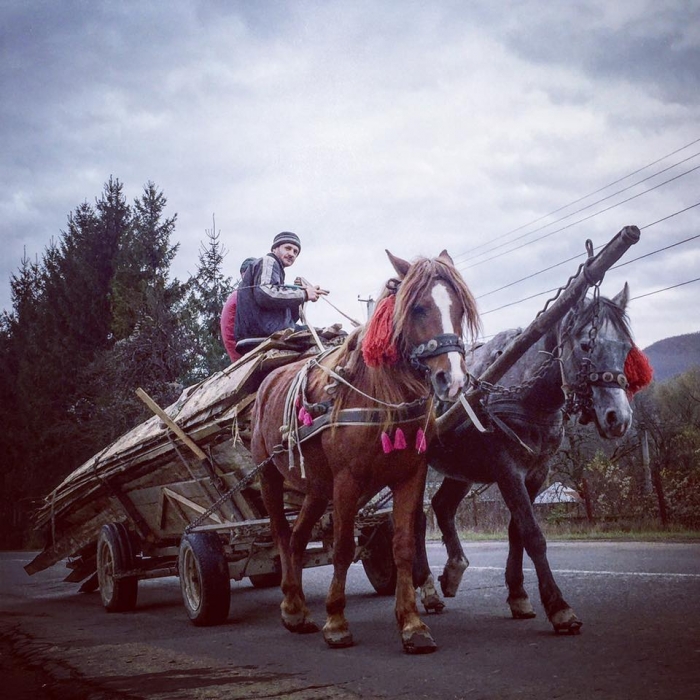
x=397, y=383
x=607, y=311
x=419, y=277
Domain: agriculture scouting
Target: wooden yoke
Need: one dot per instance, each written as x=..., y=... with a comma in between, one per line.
x=592, y=273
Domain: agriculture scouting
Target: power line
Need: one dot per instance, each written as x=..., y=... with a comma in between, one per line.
x=580, y=199
x=575, y=257
x=592, y=204
x=665, y=289
x=585, y=218
x=627, y=262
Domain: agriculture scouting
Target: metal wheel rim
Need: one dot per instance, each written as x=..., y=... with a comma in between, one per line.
x=105, y=574
x=191, y=580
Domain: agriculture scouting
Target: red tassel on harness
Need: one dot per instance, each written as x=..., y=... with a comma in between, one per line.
x=638, y=370
x=377, y=348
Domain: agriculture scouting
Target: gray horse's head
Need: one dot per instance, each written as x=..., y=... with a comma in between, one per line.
x=595, y=343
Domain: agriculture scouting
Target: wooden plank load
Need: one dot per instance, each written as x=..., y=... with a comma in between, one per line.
x=153, y=481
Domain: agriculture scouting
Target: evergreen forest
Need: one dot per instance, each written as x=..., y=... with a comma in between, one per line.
x=97, y=316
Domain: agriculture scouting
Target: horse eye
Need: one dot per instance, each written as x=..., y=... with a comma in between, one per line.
x=586, y=345
x=419, y=311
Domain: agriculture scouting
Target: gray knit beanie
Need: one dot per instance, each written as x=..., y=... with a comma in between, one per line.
x=286, y=237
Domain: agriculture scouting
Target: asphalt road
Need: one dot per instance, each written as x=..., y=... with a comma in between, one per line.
x=640, y=604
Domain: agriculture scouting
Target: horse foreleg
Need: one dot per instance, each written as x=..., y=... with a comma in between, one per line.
x=445, y=503
x=415, y=635
x=346, y=494
x=516, y=496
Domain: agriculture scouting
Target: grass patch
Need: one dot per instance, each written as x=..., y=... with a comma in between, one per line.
x=592, y=532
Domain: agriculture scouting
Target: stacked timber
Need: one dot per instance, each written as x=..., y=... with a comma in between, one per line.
x=152, y=481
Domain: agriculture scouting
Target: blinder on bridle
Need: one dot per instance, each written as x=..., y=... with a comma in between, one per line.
x=439, y=345
x=580, y=399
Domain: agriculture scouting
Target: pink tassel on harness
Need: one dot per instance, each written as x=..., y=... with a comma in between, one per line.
x=399, y=440
x=421, y=445
x=305, y=417
x=386, y=444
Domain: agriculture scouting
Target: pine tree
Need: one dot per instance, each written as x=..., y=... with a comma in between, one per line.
x=209, y=289
x=152, y=344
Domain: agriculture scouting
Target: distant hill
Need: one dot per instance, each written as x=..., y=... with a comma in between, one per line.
x=672, y=356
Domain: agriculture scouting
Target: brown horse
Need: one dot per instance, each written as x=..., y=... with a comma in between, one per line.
x=374, y=396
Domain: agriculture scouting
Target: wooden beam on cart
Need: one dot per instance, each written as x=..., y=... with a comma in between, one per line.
x=239, y=501
x=593, y=273
x=180, y=499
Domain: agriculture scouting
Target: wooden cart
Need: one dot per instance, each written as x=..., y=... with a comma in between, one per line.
x=177, y=496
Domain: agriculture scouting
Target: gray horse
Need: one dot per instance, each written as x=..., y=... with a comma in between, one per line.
x=577, y=367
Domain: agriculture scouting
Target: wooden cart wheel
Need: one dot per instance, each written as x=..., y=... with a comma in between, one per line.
x=204, y=578
x=379, y=563
x=115, y=556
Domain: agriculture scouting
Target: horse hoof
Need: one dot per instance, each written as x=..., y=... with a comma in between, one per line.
x=305, y=626
x=518, y=615
x=451, y=577
x=566, y=622
x=338, y=640
x=433, y=604
x=418, y=643
x=521, y=608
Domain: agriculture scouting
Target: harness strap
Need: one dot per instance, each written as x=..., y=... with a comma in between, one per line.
x=510, y=432
x=608, y=377
x=439, y=345
x=362, y=416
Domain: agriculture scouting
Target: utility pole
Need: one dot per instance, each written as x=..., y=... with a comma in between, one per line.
x=646, y=464
x=369, y=302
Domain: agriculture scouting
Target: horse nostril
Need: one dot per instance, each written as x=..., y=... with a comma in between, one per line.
x=611, y=418
x=442, y=380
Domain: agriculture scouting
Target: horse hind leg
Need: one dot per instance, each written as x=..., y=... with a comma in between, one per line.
x=518, y=599
x=422, y=576
x=445, y=503
x=519, y=502
x=295, y=614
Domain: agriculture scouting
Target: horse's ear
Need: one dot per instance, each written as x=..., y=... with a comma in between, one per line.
x=445, y=257
x=401, y=266
x=622, y=298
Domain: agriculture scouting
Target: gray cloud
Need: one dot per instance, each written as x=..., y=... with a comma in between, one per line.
x=362, y=126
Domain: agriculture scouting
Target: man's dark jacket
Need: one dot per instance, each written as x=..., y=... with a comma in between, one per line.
x=265, y=304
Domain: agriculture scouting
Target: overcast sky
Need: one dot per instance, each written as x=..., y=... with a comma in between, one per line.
x=412, y=126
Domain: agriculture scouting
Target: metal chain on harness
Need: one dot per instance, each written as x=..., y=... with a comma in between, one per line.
x=245, y=481
x=555, y=355
x=580, y=398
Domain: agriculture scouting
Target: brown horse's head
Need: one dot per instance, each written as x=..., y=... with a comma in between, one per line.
x=433, y=310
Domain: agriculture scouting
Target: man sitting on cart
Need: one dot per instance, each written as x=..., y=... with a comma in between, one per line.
x=265, y=303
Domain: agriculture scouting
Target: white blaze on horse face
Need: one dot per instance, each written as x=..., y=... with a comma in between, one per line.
x=442, y=300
